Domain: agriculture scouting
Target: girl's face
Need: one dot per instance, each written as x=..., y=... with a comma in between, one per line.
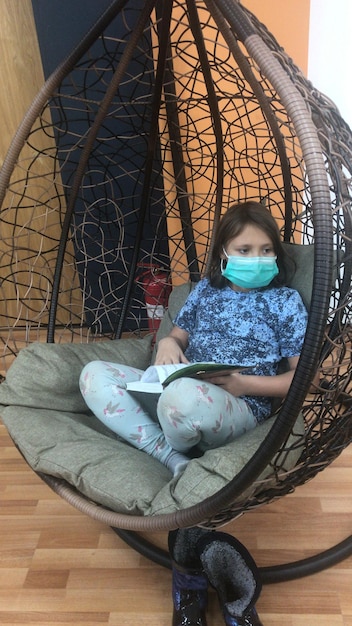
x=250, y=260
x=251, y=242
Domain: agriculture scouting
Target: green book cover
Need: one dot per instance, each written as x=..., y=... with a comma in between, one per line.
x=157, y=377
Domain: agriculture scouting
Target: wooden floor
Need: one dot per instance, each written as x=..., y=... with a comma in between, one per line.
x=59, y=567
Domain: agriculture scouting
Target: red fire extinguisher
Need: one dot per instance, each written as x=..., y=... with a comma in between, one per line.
x=156, y=287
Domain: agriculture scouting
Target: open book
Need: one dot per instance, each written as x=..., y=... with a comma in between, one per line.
x=157, y=377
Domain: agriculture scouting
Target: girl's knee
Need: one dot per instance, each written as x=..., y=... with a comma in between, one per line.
x=192, y=397
x=181, y=393
x=99, y=375
x=198, y=413
x=87, y=375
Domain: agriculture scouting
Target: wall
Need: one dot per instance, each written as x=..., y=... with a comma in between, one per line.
x=23, y=282
x=317, y=35
x=21, y=74
x=288, y=21
x=330, y=51
x=59, y=31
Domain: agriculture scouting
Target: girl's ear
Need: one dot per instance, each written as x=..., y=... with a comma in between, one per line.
x=223, y=254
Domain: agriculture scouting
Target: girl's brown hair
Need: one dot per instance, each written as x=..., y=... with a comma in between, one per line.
x=233, y=222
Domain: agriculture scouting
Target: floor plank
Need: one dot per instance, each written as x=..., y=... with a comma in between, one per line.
x=59, y=567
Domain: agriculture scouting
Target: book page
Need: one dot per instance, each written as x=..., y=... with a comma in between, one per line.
x=139, y=385
x=159, y=373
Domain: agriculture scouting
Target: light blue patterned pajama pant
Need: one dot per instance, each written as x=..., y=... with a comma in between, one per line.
x=189, y=412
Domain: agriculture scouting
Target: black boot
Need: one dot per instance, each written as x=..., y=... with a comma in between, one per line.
x=189, y=583
x=231, y=570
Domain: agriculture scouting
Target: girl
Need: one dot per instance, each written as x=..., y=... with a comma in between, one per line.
x=240, y=313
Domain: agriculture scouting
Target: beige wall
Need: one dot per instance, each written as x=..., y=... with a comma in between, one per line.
x=27, y=263
x=288, y=21
x=21, y=74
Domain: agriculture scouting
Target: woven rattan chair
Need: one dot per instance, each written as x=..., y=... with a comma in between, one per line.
x=164, y=114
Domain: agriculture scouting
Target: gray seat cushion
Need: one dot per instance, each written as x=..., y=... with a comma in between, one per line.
x=42, y=407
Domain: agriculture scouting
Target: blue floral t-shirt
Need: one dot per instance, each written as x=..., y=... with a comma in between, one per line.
x=254, y=328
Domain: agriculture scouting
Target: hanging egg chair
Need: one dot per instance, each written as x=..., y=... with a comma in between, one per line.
x=165, y=114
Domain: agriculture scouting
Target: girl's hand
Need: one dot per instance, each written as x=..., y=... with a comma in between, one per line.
x=251, y=385
x=171, y=348
x=234, y=383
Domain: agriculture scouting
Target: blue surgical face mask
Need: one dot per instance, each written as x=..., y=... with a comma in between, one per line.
x=250, y=272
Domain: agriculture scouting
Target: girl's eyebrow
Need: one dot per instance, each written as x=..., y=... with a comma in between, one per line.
x=250, y=245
